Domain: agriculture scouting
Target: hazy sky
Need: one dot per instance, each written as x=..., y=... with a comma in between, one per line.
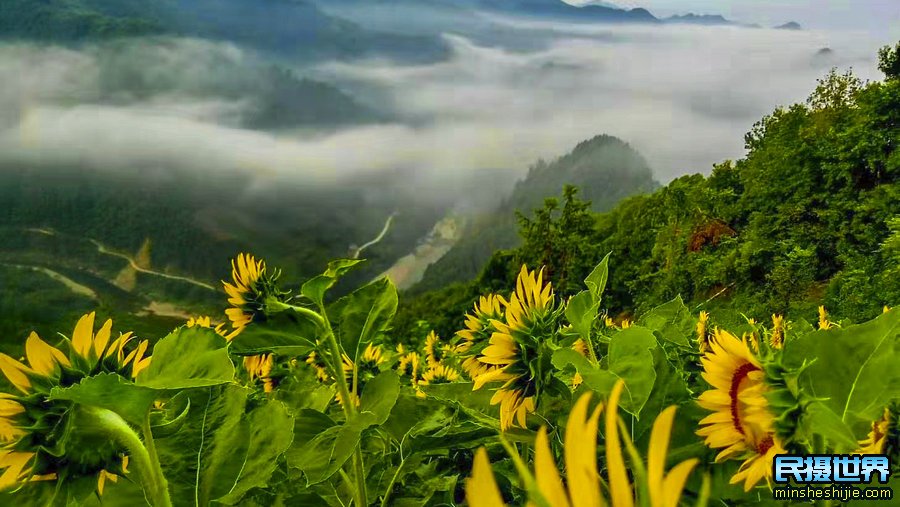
x=877, y=16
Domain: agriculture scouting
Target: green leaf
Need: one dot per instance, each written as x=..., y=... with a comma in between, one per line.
x=671, y=321
x=596, y=281
x=186, y=358
x=224, y=449
x=287, y=332
x=379, y=397
x=363, y=314
x=820, y=420
x=112, y=392
x=323, y=455
x=597, y=379
x=316, y=287
x=854, y=370
x=581, y=312
x=270, y=435
x=631, y=358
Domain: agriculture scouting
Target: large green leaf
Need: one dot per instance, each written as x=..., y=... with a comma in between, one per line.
x=630, y=358
x=269, y=434
x=671, y=321
x=596, y=281
x=325, y=453
x=581, y=311
x=287, y=332
x=188, y=357
x=225, y=448
x=316, y=287
x=853, y=370
x=363, y=314
x=112, y=392
x=819, y=419
x=379, y=397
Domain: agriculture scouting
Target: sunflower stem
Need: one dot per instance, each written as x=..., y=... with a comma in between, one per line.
x=110, y=424
x=349, y=404
x=154, y=458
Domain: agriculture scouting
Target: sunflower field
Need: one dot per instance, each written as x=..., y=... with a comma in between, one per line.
x=295, y=398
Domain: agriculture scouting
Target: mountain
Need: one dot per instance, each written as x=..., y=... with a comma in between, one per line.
x=605, y=168
x=289, y=27
x=698, y=19
x=733, y=243
x=790, y=25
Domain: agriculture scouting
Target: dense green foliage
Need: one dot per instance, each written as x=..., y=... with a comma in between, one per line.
x=804, y=219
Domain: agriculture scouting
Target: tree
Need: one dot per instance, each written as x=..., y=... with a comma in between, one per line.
x=889, y=61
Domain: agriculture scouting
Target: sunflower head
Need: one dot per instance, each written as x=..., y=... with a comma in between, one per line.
x=408, y=365
x=882, y=437
x=479, y=328
x=44, y=439
x=439, y=374
x=251, y=285
x=824, y=323
x=220, y=329
x=776, y=337
x=319, y=366
x=518, y=351
x=259, y=369
x=703, y=335
x=741, y=423
x=435, y=351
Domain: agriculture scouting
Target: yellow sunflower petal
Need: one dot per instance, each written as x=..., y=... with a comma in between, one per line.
x=545, y=471
x=82, y=337
x=43, y=358
x=619, y=487
x=481, y=488
x=16, y=373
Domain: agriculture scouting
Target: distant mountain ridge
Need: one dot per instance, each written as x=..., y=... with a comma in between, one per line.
x=604, y=168
x=295, y=27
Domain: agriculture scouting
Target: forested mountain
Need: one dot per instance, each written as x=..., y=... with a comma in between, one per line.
x=810, y=216
x=287, y=27
x=606, y=168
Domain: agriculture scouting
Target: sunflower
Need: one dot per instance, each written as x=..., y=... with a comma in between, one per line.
x=439, y=374
x=435, y=351
x=357, y=375
x=776, y=339
x=476, y=335
x=824, y=323
x=260, y=367
x=703, y=332
x=741, y=423
x=318, y=364
x=580, y=454
x=582, y=348
x=249, y=290
x=874, y=442
x=408, y=365
x=530, y=320
x=220, y=329
x=35, y=430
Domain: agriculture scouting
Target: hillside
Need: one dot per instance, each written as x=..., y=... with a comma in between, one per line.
x=286, y=27
x=809, y=217
x=605, y=168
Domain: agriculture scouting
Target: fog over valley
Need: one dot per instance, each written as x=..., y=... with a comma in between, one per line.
x=682, y=95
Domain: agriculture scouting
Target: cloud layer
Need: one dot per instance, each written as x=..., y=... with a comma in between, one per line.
x=684, y=96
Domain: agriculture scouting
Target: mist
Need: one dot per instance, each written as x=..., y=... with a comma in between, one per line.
x=683, y=96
